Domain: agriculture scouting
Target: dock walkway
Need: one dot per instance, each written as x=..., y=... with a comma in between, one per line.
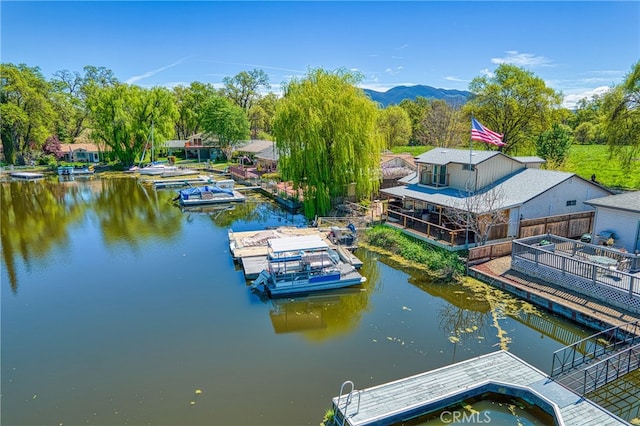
x=579, y=308
x=393, y=402
x=249, y=248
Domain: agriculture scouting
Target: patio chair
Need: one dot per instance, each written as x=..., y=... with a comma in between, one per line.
x=624, y=265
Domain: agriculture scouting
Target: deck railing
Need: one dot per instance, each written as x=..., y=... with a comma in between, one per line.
x=611, y=368
x=594, y=346
x=570, y=257
x=418, y=220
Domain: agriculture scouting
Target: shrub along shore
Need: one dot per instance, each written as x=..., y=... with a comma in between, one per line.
x=413, y=253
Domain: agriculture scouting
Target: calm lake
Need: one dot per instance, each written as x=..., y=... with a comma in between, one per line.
x=118, y=308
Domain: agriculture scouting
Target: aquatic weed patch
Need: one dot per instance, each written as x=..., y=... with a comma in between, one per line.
x=415, y=253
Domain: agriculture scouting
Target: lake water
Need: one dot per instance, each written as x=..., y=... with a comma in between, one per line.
x=119, y=308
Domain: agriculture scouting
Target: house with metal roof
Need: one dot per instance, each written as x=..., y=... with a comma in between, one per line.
x=618, y=217
x=451, y=184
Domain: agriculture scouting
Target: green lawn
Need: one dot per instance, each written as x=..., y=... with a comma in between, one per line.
x=583, y=160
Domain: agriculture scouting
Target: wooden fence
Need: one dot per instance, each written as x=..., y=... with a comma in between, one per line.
x=571, y=225
x=568, y=225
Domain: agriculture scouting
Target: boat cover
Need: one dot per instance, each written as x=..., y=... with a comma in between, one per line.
x=207, y=188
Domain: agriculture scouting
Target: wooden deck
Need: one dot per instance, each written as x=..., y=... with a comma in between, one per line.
x=254, y=243
x=249, y=248
x=392, y=402
x=570, y=304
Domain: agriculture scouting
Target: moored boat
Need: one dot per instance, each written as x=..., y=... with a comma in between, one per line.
x=304, y=264
x=65, y=170
x=75, y=171
x=154, y=169
x=215, y=193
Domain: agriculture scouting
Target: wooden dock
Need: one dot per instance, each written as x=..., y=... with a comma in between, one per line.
x=26, y=176
x=249, y=248
x=179, y=182
x=499, y=372
x=347, y=257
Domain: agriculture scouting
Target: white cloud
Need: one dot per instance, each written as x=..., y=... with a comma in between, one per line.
x=571, y=99
x=383, y=87
x=522, y=59
x=485, y=72
x=393, y=71
x=151, y=73
x=258, y=66
x=453, y=78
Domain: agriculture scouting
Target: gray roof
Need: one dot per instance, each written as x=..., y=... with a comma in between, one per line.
x=444, y=156
x=530, y=159
x=629, y=201
x=174, y=143
x=254, y=146
x=269, y=153
x=514, y=190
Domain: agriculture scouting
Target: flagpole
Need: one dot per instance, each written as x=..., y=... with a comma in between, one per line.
x=466, y=228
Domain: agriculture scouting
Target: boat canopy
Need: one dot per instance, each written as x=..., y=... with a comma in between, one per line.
x=206, y=188
x=298, y=243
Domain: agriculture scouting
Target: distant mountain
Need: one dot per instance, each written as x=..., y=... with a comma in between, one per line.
x=395, y=95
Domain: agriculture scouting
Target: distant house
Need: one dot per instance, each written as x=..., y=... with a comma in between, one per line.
x=395, y=167
x=618, y=216
x=175, y=146
x=82, y=152
x=203, y=147
x=259, y=154
x=449, y=180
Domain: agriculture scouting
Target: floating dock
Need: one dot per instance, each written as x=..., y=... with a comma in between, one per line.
x=347, y=257
x=27, y=176
x=249, y=248
x=178, y=183
x=500, y=373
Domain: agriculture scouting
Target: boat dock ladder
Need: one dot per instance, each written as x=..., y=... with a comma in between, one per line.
x=347, y=401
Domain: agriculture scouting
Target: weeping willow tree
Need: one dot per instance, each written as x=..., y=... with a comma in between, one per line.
x=325, y=130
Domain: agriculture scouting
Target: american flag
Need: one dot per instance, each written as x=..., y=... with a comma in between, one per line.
x=482, y=134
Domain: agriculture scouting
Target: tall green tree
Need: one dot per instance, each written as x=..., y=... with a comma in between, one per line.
x=243, y=88
x=443, y=125
x=227, y=121
x=513, y=102
x=326, y=135
x=395, y=126
x=70, y=94
x=622, y=117
x=261, y=115
x=191, y=101
x=553, y=145
x=417, y=110
x=124, y=117
x=26, y=111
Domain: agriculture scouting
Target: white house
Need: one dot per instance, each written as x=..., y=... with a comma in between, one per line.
x=620, y=215
x=83, y=152
x=464, y=179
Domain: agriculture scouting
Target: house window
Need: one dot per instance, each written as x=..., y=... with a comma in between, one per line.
x=439, y=175
x=425, y=176
x=571, y=203
x=468, y=167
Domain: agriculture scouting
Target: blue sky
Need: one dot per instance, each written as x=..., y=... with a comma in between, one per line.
x=578, y=48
